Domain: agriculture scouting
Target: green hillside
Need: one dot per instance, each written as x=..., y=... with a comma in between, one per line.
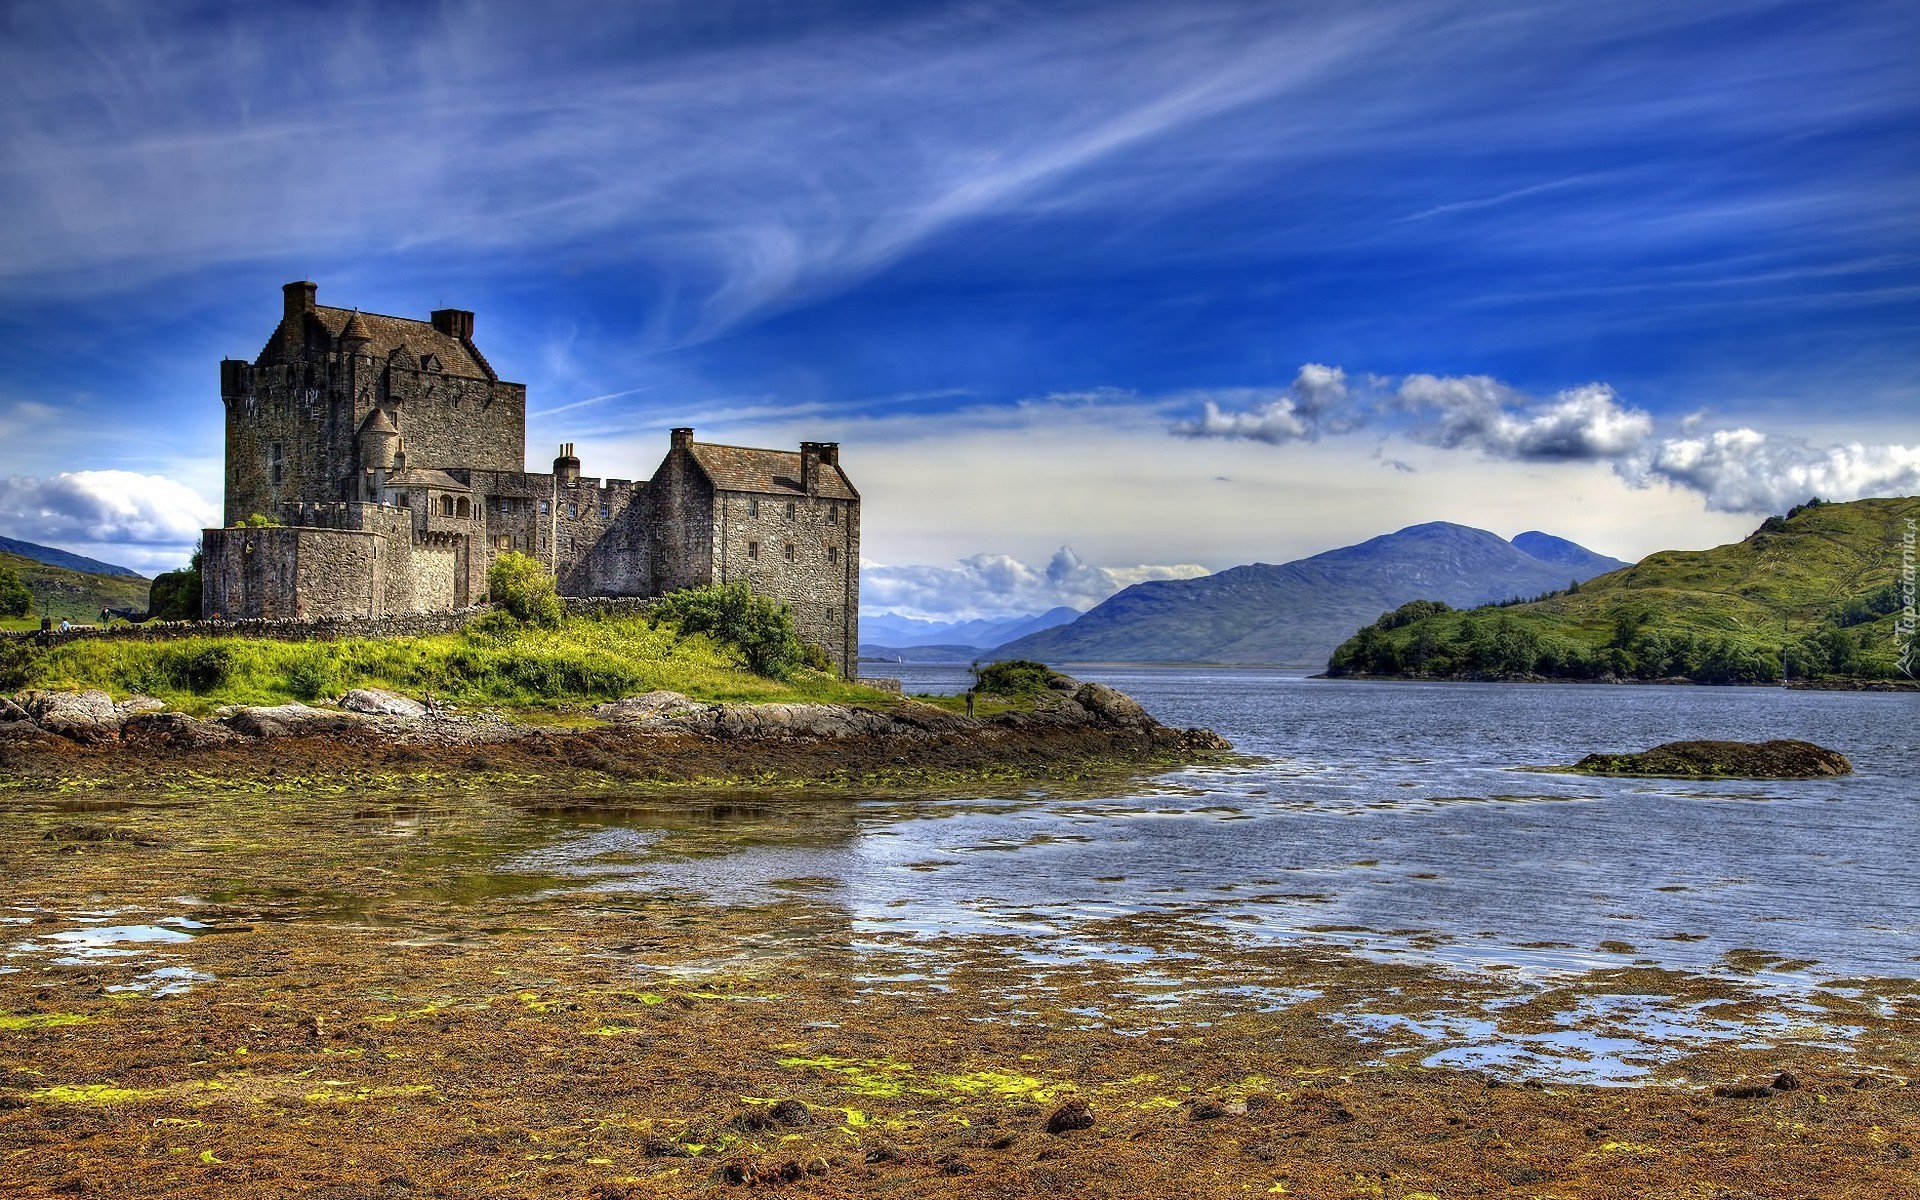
x=71, y=595
x=1819, y=587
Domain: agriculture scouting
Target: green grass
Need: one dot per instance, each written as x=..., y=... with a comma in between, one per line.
x=507, y=666
x=1806, y=588
x=71, y=595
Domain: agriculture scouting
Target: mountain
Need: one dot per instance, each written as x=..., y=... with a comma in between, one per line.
x=62, y=558
x=889, y=629
x=1296, y=613
x=1819, y=588
x=73, y=595
x=920, y=654
x=1550, y=549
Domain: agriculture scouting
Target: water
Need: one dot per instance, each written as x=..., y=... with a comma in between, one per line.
x=1399, y=816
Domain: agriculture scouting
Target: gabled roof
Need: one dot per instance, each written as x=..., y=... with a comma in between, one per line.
x=425, y=477
x=418, y=338
x=769, y=472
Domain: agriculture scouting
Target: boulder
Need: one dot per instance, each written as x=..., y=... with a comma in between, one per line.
x=173, y=729
x=824, y=721
x=10, y=711
x=377, y=702
x=85, y=717
x=1784, y=759
x=1111, y=707
x=651, y=708
x=290, y=720
x=134, y=705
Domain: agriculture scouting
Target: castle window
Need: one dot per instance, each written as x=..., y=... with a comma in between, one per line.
x=446, y=506
x=833, y=555
x=831, y=611
x=460, y=508
x=504, y=541
x=753, y=551
x=605, y=512
x=833, y=510
x=788, y=551
x=276, y=465
x=506, y=505
x=573, y=511
x=753, y=507
x=789, y=510
x=543, y=508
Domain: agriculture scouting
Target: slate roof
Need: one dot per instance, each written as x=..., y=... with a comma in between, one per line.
x=425, y=477
x=775, y=472
x=418, y=338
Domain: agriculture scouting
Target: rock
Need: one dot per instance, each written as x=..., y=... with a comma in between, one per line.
x=651, y=707
x=85, y=717
x=377, y=702
x=1786, y=1081
x=1785, y=759
x=824, y=721
x=9, y=711
x=1074, y=1114
x=790, y=1113
x=290, y=720
x=134, y=705
x=1744, y=1091
x=1203, y=1108
x=173, y=729
x=1112, y=707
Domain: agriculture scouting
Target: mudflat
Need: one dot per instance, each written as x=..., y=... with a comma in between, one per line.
x=336, y=987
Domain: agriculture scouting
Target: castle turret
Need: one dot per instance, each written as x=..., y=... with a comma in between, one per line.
x=353, y=335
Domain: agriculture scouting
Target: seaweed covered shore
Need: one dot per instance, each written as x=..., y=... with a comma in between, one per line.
x=374, y=738
x=449, y=994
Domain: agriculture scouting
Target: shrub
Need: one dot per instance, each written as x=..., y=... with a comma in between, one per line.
x=761, y=629
x=816, y=658
x=519, y=584
x=15, y=599
x=199, y=667
x=175, y=596
x=311, y=676
x=1014, y=677
x=257, y=521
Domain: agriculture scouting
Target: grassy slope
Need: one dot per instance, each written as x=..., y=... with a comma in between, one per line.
x=72, y=595
x=585, y=661
x=1769, y=589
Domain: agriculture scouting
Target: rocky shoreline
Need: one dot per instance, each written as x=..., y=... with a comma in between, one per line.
x=660, y=737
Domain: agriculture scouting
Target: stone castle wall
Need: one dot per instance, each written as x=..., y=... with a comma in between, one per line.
x=803, y=551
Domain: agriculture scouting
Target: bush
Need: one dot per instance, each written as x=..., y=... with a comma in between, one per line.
x=175, y=596
x=519, y=584
x=761, y=629
x=257, y=521
x=15, y=599
x=815, y=658
x=311, y=676
x=200, y=667
x=1014, y=677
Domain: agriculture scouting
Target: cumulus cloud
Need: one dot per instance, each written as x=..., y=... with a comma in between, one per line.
x=1315, y=403
x=104, y=508
x=1744, y=470
x=1477, y=412
x=996, y=585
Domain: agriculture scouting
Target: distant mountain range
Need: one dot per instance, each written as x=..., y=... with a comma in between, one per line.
x=54, y=557
x=1297, y=613
x=910, y=639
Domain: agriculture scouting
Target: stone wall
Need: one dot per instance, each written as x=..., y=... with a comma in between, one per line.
x=680, y=524
x=803, y=551
x=291, y=573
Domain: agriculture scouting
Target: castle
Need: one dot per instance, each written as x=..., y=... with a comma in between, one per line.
x=390, y=462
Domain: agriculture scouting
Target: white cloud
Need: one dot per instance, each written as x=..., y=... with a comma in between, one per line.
x=1316, y=403
x=103, y=509
x=1744, y=470
x=1481, y=413
x=994, y=585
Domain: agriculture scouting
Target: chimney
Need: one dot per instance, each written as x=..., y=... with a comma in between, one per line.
x=809, y=467
x=454, y=322
x=829, y=454
x=299, y=299
x=566, y=468
x=682, y=439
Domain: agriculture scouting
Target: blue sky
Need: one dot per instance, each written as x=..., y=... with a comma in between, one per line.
x=1177, y=286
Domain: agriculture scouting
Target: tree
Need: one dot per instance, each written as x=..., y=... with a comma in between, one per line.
x=15, y=599
x=521, y=586
x=761, y=629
